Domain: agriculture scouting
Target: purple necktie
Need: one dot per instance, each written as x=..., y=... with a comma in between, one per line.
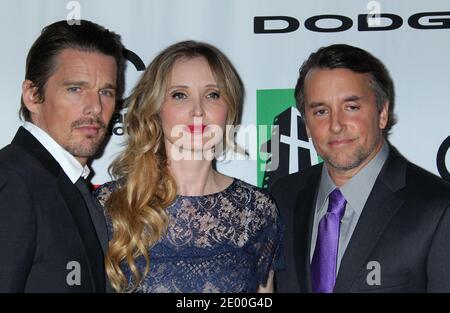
x=323, y=266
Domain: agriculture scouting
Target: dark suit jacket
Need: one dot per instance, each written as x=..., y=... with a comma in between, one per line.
x=41, y=227
x=404, y=226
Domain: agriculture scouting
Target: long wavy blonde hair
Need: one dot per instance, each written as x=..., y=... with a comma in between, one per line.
x=137, y=207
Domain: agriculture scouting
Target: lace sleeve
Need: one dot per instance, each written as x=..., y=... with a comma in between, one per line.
x=103, y=192
x=270, y=237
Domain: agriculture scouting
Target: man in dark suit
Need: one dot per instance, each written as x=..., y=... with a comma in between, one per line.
x=52, y=233
x=366, y=219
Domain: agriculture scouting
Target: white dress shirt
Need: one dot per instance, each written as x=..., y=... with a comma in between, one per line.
x=70, y=165
x=356, y=191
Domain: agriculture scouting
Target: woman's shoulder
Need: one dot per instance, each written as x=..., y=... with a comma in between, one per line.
x=103, y=191
x=261, y=198
x=258, y=192
x=261, y=210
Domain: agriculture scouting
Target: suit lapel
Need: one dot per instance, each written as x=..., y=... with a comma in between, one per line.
x=73, y=201
x=28, y=142
x=381, y=206
x=98, y=219
x=303, y=221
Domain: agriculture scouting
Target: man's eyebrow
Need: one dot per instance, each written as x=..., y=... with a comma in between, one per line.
x=85, y=83
x=75, y=83
x=313, y=105
x=346, y=99
x=109, y=86
x=352, y=98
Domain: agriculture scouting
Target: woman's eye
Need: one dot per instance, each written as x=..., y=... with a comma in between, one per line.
x=179, y=95
x=213, y=95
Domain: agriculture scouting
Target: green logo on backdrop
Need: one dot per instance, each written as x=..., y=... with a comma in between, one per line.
x=283, y=145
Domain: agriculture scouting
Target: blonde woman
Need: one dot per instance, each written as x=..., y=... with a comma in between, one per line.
x=175, y=223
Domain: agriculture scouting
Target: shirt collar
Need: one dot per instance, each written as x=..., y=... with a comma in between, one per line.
x=357, y=190
x=325, y=188
x=70, y=165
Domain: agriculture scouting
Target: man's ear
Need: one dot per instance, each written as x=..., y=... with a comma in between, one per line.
x=384, y=116
x=30, y=96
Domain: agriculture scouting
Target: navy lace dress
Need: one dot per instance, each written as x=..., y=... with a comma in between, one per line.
x=221, y=242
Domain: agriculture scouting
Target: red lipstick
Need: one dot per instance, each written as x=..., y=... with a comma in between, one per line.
x=196, y=128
